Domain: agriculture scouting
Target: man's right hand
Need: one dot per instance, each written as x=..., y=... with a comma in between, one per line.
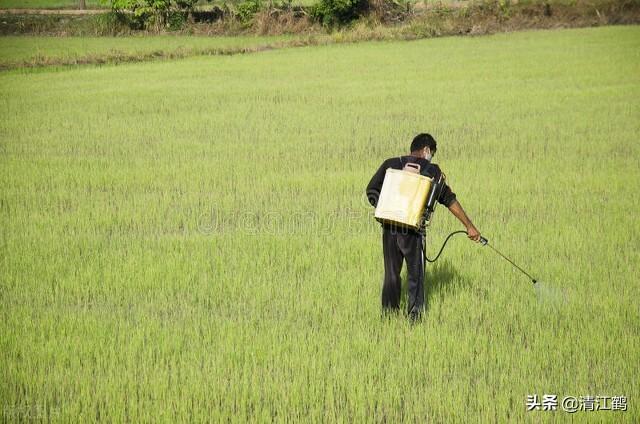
x=473, y=233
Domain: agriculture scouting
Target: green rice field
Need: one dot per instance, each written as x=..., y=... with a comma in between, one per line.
x=189, y=240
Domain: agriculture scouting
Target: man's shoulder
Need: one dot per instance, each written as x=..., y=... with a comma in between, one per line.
x=432, y=170
x=400, y=161
x=393, y=162
x=435, y=167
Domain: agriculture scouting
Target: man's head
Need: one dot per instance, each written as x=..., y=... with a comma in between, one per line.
x=424, y=146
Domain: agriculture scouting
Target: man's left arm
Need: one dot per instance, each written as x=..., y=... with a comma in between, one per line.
x=375, y=185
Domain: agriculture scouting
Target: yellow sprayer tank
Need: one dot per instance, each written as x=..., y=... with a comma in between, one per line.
x=402, y=198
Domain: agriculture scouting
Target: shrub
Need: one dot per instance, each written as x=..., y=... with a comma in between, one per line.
x=247, y=9
x=338, y=12
x=145, y=14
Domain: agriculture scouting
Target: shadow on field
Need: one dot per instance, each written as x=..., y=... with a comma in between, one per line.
x=441, y=278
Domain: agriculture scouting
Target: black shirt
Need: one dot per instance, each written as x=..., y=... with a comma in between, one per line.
x=428, y=169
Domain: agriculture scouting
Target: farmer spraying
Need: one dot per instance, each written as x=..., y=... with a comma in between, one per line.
x=412, y=185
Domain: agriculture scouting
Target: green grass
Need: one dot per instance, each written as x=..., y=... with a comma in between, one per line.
x=15, y=50
x=187, y=240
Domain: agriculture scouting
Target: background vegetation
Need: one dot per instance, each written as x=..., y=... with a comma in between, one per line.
x=374, y=19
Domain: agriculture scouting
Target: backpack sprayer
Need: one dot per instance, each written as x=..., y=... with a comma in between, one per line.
x=408, y=199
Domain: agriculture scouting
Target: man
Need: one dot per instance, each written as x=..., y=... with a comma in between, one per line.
x=403, y=243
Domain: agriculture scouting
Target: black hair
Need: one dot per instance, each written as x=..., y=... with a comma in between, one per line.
x=423, y=140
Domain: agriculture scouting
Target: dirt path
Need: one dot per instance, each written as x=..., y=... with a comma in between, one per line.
x=52, y=11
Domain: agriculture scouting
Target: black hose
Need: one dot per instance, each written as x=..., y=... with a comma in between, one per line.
x=443, y=245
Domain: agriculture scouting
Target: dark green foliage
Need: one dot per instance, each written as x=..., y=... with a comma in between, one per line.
x=176, y=19
x=338, y=12
x=145, y=14
x=247, y=9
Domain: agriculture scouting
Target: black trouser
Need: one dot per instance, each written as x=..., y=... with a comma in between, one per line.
x=399, y=244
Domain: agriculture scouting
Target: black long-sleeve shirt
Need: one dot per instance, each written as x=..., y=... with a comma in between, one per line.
x=428, y=169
